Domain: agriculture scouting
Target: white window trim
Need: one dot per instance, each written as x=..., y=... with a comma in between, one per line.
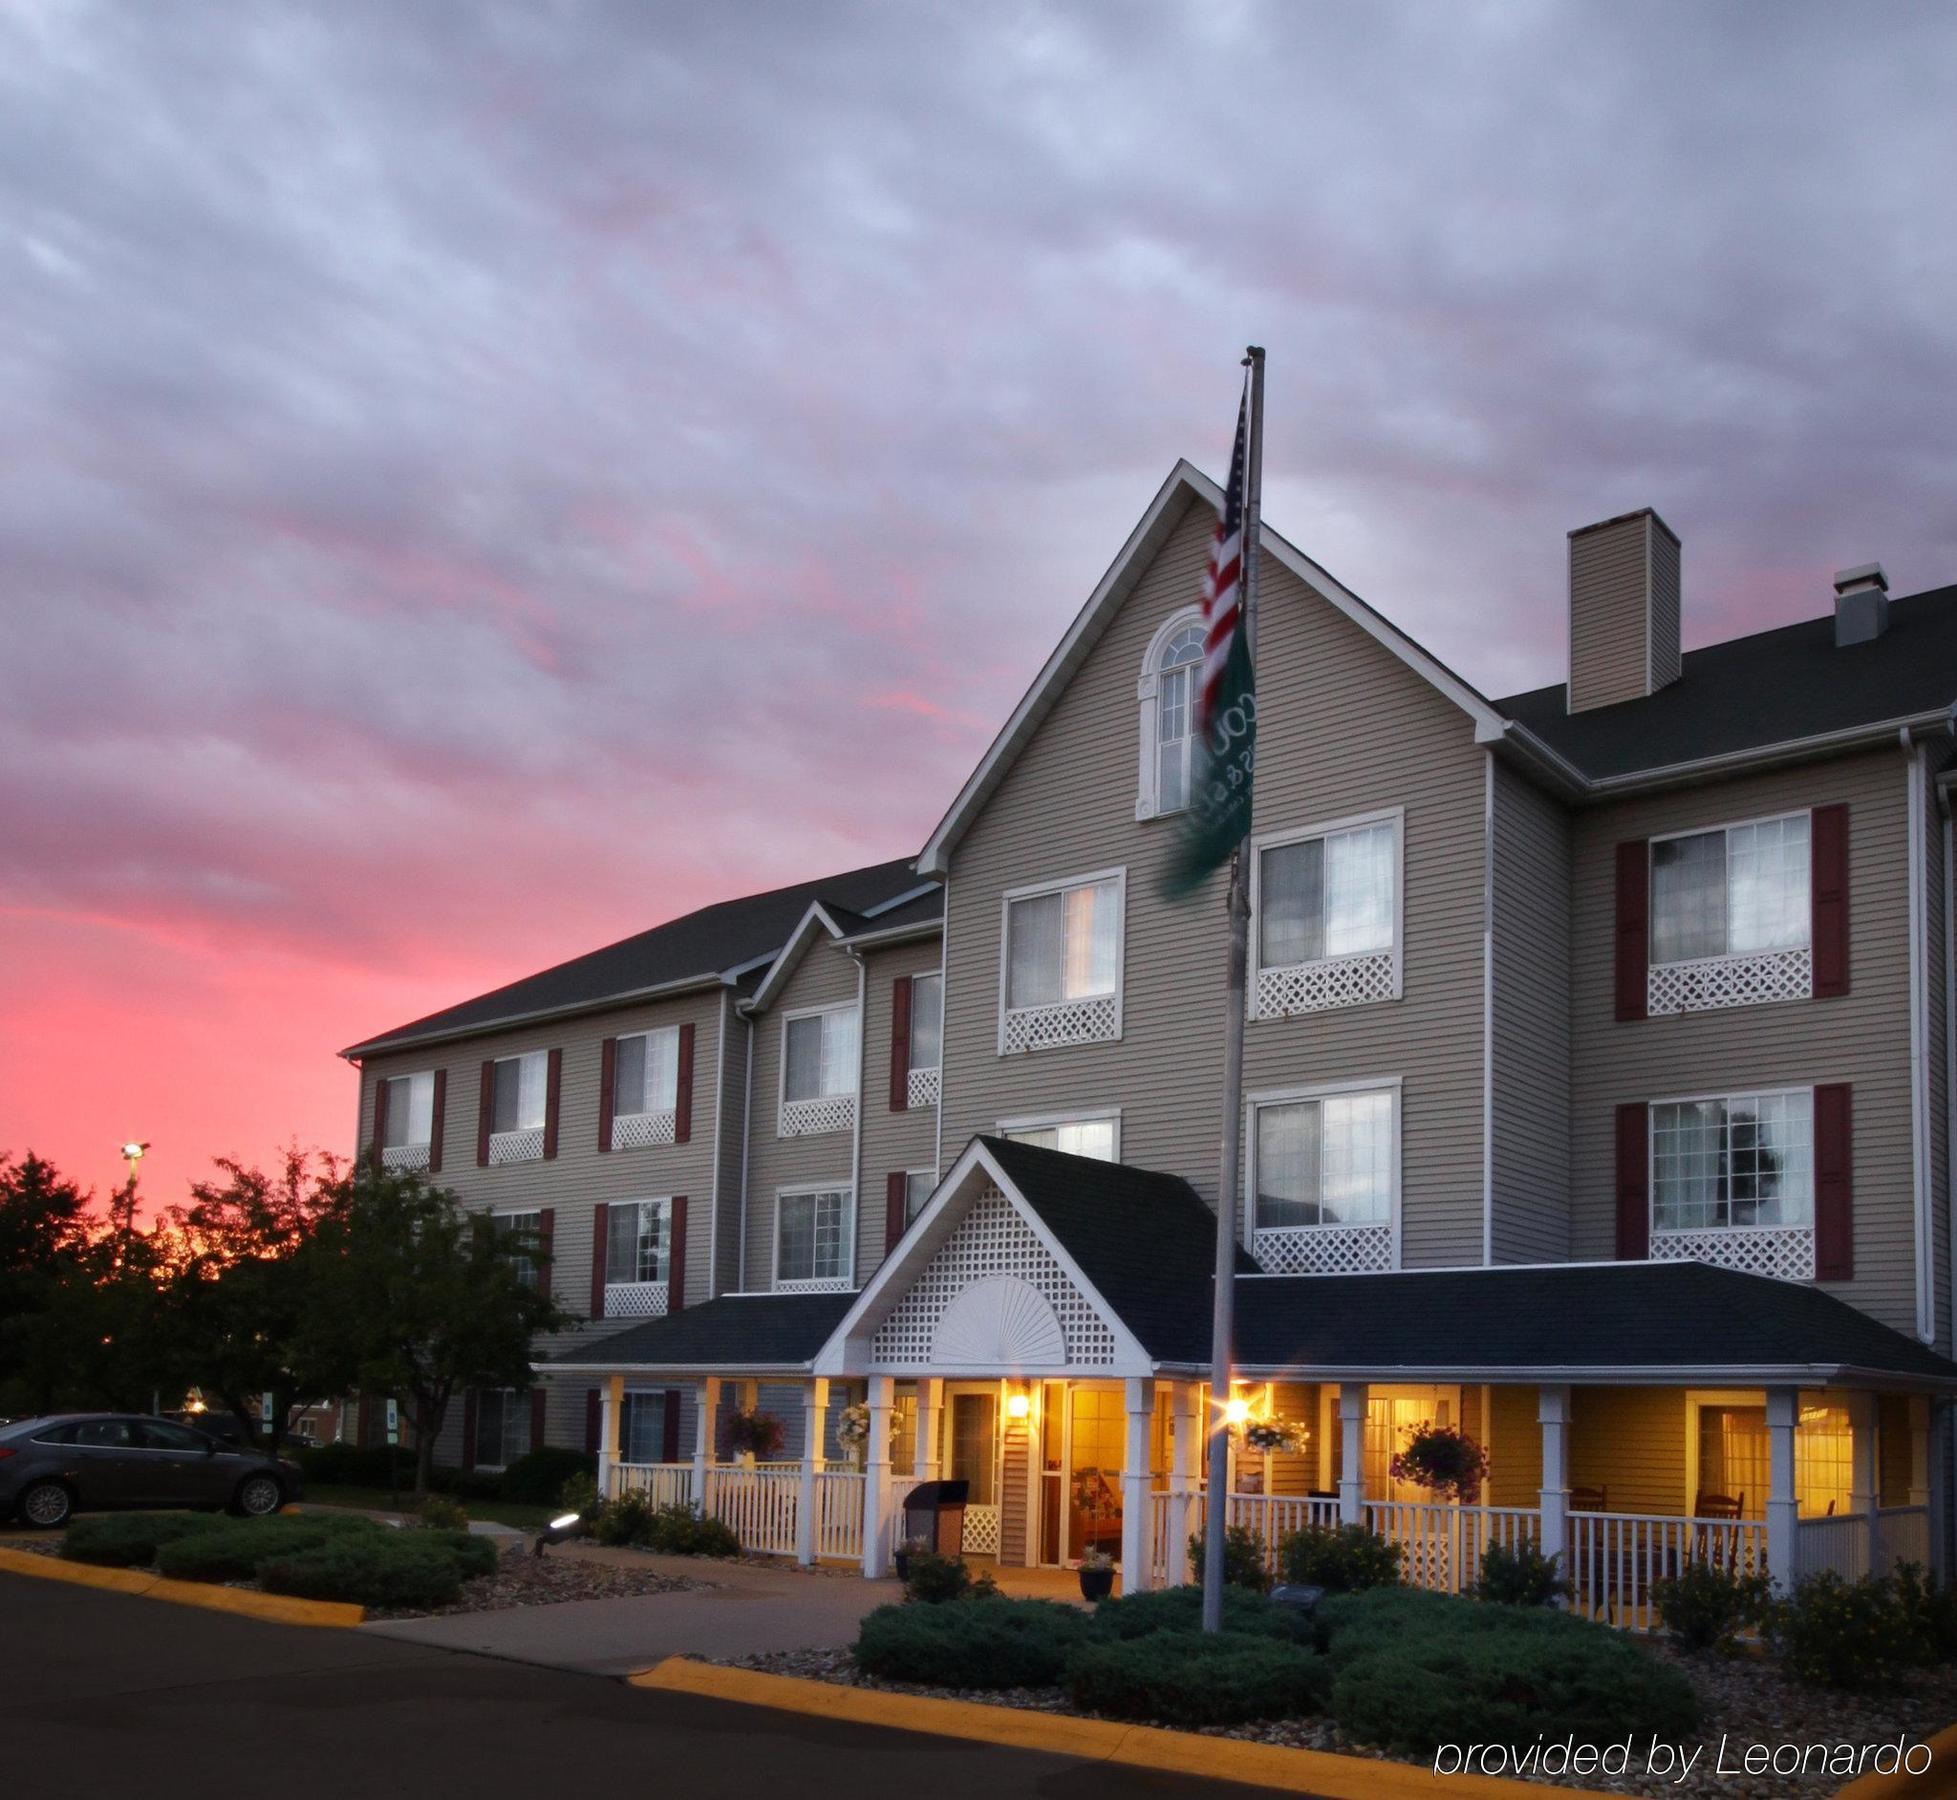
x=912, y=1066
x=854, y=1096
x=1033, y=891
x=931, y=1179
x=1726, y=1096
x=650, y=1032
x=1086, y=1115
x=845, y=1282
x=503, y=1394
x=1396, y=816
x=1291, y=1096
x=411, y=1076
x=664, y=1287
x=1726, y=827
x=631, y=1392
x=1147, y=691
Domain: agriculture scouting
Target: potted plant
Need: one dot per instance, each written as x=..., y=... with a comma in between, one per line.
x=853, y=1431
x=753, y=1437
x=1096, y=1574
x=1443, y=1459
x=911, y=1546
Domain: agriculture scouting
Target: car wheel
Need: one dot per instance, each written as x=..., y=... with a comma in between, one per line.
x=259, y=1495
x=46, y=1505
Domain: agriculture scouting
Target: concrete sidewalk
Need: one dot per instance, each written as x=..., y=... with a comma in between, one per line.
x=749, y=1609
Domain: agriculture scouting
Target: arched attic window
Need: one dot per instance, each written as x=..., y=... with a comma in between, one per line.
x=1167, y=690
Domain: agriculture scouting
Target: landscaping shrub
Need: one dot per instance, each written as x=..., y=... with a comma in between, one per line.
x=439, y=1513
x=1522, y=1576
x=399, y=1569
x=1846, y=1634
x=626, y=1520
x=464, y=1484
x=934, y=1579
x=1243, y=1559
x=235, y=1549
x=355, y=1465
x=1185, y=1678
x=985, y=1643
x=538, y=1477
x=580, y=1495
x=1181, y=1609
x=1706, y=1608
x=131, y=1540
x=1353, y=1625
x=1342, y=1559
x=682, y=1530
x=473, y=1555
x=1932, y=1606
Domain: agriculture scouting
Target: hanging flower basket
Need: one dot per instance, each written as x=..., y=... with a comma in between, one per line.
x=1444, y=1460
x=753, y=1436
x=1270, y=1437
x=853, y=1430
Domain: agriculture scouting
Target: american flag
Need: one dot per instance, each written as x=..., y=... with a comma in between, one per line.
x=1223, y=585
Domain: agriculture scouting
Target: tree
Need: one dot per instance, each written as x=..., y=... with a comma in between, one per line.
x=411, y=1296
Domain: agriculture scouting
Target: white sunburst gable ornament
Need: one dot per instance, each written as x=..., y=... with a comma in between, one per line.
x=1000, y=1322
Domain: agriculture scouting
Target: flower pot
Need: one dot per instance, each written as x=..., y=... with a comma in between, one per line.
x=744, y=1459
x=902, y=1562
x=1097, y=1584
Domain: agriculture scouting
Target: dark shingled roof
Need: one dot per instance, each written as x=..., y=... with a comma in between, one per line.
x=1769, y=688
x=737, y=1331
x=926, y=909
x=700, y=944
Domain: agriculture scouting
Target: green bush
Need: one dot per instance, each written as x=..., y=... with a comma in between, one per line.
x=1522, y=1576
x=473, y=1555
x=1342, y=1559
x=464, y=1484
x=538, y=1477
x=1185, y=1678
x=395, y=1569
x=1354, y=1625
x=985, y=1643
x=626, y=1520
x=1706, y=1608
x=580, y=1495
x=934, y=1579
x=234, y=1551
x=439, y=1513
x=131, y=1540
x=1243, y=1559
x=1932, y=1607
x=682, y=1530
x=1846, y=1634
x=1181, y=1609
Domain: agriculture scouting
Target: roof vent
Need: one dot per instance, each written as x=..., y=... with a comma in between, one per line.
x=1861, y=605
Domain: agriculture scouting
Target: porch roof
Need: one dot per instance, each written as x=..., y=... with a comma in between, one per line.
x=745, y=1333
x=1668, y=1321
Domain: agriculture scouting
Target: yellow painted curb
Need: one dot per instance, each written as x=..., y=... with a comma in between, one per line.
x=275, y=1609
x=1936, y=1779
x=1136, y=1746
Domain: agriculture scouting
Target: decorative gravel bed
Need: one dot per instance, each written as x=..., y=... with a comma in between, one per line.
x=525, y=1580
x=1746, y=1699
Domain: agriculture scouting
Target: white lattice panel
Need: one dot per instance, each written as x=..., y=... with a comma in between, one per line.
x=1094, y=1021
x=1785, y=1252
x=634, y=1131
x=1323, y=1249
x=405, y=1156
x=1714, y=981
x=981, y=1531
x=922, y=1088
x=828, y=1112
x=991, y=1239
x=635, y=1299
x=517, y=1146
x=1315, y=986
x=816, y=1284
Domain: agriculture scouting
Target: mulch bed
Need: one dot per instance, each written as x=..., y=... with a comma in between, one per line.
x=1746, y=1699
x=525, y=1580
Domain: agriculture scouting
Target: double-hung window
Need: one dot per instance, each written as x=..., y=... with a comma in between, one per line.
x=638, y=1245
x=1097, y=1135
x=819, y=1063
x=1732, y=1162
x=642, y=1426
x=927, y=1039
x=408, y=1120
x=1731, y=915
x=918, y=1187
x=1324, y=1170
x=502, y=1427
x=813, y=1233
x=645, y=1088
x=522, y=1244
x=516, y=1120
x=1327, y=913
x=1061, y=978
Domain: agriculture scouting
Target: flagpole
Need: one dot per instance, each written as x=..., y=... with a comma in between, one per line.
x=1223, y=1319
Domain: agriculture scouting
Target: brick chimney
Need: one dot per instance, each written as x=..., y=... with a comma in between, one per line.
x=1623, y=610
x=1861, y=605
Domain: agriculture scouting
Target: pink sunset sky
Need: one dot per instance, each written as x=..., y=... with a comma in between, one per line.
x=480, y=480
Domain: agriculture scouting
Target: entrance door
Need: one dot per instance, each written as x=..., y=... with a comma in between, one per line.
x=975, y=1460
x=1098, y=1425
x=1390, y=1414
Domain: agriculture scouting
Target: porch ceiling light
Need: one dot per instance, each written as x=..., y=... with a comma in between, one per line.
x=1236, y=1412
x=1018, y=1406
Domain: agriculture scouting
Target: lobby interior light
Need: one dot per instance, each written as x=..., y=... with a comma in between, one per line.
x=1237, y=1412
x=1019, y=1406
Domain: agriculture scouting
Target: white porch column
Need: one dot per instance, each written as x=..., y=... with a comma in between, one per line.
x=815, y=1415
x=1352, y=1453
x=706, y=1402
x=1783, y=1509
x=876, y=1478
x=930, y=1406
x=1136, y=1483
x=1185, y=1467
x=1553, y=1414
x=611, y=1415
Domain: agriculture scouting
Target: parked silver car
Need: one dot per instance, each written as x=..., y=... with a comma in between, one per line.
x=53, y=1467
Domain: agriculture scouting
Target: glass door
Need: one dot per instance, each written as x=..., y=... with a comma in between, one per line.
x=1097, y=1425
x=1053, y=1472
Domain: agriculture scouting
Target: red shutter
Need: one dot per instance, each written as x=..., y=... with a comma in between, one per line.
x=1834, y=1169
x=607, y=1083
x=536, y=1418
x=676, y=1257
x=485, y=1114
x=1633, y=1183
x=380, y=1118
x=672, y=1445
x=1828, y=879
x=594, y=1420
x=437, y=1113
x=469, y=1429
x=683, y=1089
x=900, y=1045
x=553, y=1086
x=896, y=1188
x=600, y=1227
x=546, y=1245
x=1633, y=927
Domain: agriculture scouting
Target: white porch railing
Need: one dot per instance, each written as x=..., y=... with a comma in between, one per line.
x=663, y=1484
x=1275, y=1516
x=1614, y=1558
x=1902, y=1534
x=1441, y=1546
x=839, y=1497
x=759, y=1504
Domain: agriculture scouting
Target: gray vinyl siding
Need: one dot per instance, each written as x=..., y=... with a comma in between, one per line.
x=1862, y=1038
x=1531, y=938
x=1345, y=728
x=1608, y=574
x=1937, y=1046
x=824, y=977
x=732, y=1132
x=891, y=1140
